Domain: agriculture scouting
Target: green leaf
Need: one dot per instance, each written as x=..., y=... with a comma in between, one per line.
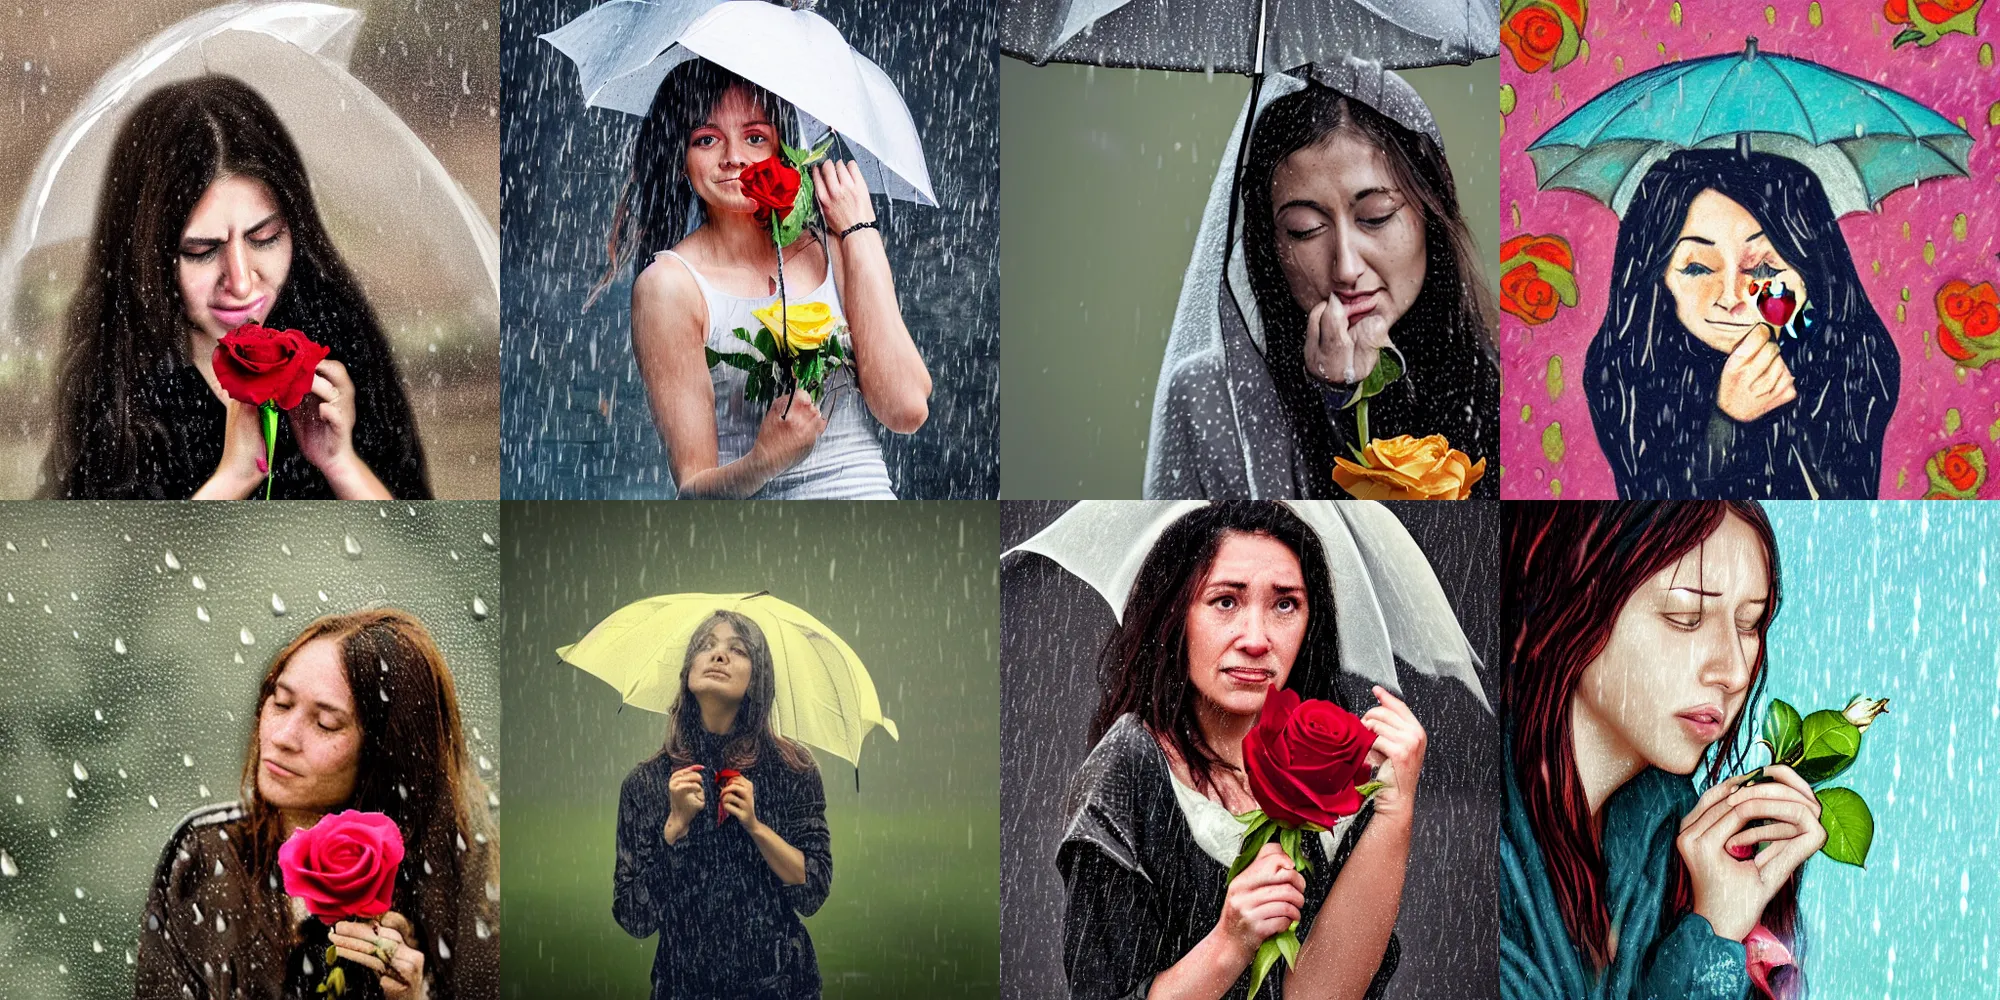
x=1572, y=39
x=794, y=156
x=1909, y=35
x=1260, y=833
x=332, y=954
x=1850, y=827
x=1288, y=840
x=765, y=344
x=789, y=228
x=740, y=362
x=1369, y=788
x=1268, y=954
x=1781, y=730
x=1288, y=945
x=1828, y=748
x=1388, y=368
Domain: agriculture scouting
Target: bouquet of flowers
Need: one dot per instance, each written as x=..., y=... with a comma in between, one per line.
x=797, y=346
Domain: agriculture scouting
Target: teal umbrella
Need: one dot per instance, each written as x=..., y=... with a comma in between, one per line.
x=1862, y=139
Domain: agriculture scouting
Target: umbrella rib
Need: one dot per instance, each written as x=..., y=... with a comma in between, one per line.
x=1779, y=69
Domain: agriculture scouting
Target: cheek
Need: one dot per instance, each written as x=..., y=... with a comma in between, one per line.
x=1403, y=259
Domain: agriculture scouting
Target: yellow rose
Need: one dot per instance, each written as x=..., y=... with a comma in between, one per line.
x=1407, y=468
x=810, y=322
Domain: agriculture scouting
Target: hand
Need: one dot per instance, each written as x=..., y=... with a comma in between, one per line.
x=242, y=467
x=1263, y=901
x=784, y=439
x=1338, y=354
x=324, y=421
x=1730, y=892
x=1755, y=380
x=842, y=193
x=383, y=946
x=685, y=799
x=739, y=799
x=1398, y=753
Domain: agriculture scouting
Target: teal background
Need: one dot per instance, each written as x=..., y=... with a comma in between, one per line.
x=1104, y=174
x=914, y=588
x=1892, y=599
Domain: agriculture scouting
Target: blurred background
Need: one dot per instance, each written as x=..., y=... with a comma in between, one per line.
x=1895, y=600
x=435, y=64
x=1052, y=628
x=576, y=420
x=911, y=586
x=133, y=637
x=1105, y=173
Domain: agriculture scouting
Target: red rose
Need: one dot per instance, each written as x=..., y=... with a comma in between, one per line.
x=1553, y=249
x=1304, y=759
x=1526, y=294
x=257, y=365
x=772, y=185
x=1982, y=319
x=1952, y=347
x=1532, y=34
x=1957, y=468
x=343, y=866
x=1897, y=11
x=722, y=780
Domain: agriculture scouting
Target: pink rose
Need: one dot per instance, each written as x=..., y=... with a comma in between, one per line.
x=344, y=866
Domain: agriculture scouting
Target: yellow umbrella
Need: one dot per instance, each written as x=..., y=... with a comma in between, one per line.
x=825, y=698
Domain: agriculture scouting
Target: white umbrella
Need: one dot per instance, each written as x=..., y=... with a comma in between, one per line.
x=623, y=49
x=384, y=195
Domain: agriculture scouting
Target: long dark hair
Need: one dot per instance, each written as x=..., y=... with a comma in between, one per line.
x=1651, y=384
x=1453, y=381
x=1143, y=668
x=750, y=735
x=413, y=767
x=129, y=326
x=1568, y=568
x=657, y=205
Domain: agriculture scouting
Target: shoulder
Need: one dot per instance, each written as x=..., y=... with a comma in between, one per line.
x=201, y=834
x=664, y=282
x=1112, y=795
x=648, y=775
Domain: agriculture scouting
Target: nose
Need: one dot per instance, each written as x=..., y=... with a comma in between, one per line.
x=1348, y=266
x=1728, y=660
x=1735, y=291
x=238, y=278
x=1255, y=641
x=283, y=732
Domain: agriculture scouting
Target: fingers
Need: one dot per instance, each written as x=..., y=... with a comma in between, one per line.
x=1337, y=341
x=364, y=957
x=1315, y=357
x=1726, y=823
x=335, y=372
x=1751, y=343
x=1751, y=836
x=1790, y=778
x=1710, y=798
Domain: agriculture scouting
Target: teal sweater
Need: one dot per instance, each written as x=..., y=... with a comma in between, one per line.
x=1685, y=960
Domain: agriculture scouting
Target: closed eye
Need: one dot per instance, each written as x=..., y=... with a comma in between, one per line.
x=1764, y=272
x=1685, y=621
x=1695, y=270
x=1378, y=222
x=1305, y=234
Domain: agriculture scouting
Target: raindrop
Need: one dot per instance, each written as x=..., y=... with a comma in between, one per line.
x=277, y=606
x=352, y=547
x=286, y=549
x=172, y=563
x=151, y=801
x=246, y=637
x=322, y=597
x=204, y=791
x=487, y=765
x=444, y=950
x=79, y=892
x=118, y=646
x=479, y=927
x=479, y=612
x=97, y=946
x=201, y=612
x=199, y=583
x=220, y=927
x=187, y=760
x=99, y=713
x=487, y=540
x=76, y=768
x=7, y=867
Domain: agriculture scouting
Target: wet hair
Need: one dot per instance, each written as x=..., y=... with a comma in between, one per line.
x=750, y=734
x=412, y=766
x=1447, y=333
x=129, y=325
x=657, y=205
x=1568, y=569
x=1143, y=668
x=1651, y=383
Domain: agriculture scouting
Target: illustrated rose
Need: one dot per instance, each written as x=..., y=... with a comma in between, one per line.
x=1304, y=759
x=1982, y=319
x=343, y=866
x=1532, y=34
x=1409, y=468
x=1896, y=11
x=805, y=325
x=1957, y=468
x=1537, y=273
x=772, y=185
x=1523, y=293
x=257, y=365
x=1968, y=319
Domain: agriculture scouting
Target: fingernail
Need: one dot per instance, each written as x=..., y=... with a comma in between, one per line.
x=262, y=466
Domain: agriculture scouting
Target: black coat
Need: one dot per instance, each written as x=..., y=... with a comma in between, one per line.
x=728, y=927
x=1142, y=893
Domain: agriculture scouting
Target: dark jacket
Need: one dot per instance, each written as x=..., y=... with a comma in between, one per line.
x=728, y=927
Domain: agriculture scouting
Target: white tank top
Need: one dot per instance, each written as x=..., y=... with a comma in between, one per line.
x=846, y=462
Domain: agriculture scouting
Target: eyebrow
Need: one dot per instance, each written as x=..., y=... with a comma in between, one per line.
x=219, y=240
x=1283, y=588
x=322, y=706
x=1704, y=241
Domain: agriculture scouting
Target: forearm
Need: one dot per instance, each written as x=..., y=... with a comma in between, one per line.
x=1206, y=972
x=352, y=479
x=736, y=480
x=1338, y=958
x=893, y=377
x=787, y=861
x=227, y=486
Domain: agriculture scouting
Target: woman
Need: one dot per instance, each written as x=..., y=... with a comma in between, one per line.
x=1636, y=633
x=359, y=712
x=206, y=222
x=705, y=126
x=722, y=839
x=1233, y=601
x=1353, y=244
x=1693, y=393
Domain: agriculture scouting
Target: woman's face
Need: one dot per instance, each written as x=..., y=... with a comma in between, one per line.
x=738, y=133
x=1247, y=622
x=1674, y=674
x=721, y=666
x=234, y=256
x=1721, y=253
x=1345, y=228
x=308, y=740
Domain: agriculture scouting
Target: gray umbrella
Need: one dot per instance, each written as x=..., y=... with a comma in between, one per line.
x=1248, y=36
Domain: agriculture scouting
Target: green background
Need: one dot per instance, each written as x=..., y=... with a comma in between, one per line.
x=1104, y=175
x=912, y=586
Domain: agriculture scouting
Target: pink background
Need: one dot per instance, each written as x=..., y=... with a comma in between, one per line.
x=1854, y=39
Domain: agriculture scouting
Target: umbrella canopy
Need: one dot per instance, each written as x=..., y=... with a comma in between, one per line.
x=623, y=49
x=1862, y=139
x=1229, y=35
x=384, y=195
x=1386, y=599
x=825, y=697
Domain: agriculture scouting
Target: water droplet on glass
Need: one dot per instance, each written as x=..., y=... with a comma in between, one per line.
x=322, y=597
x=479, y=927
x=172, y=563
x=76, y=768
x=204, y=791
x=277, y=605
x=286, y=549
x=79, y=892
x=484, y=764
x=199, y=583
x=99, y=713
x=118, y=646
x=246, y=637
x=487, y=540
x=187, y=760
x=201, y=612
x=352, y=547
x=97, y=946
x=444, y=950
x=7, y=867
x=151, y=801
x=479, y=612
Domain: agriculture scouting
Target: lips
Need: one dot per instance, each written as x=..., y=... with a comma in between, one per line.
x=278, y=770
x=1250, y=676
x=1358, y=304
x=237, y=316
x=1704, y=722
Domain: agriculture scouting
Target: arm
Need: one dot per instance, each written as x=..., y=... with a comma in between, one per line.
x=236, y=475
x=163, y=970
x=668, y=338
x=644, y=860
x=894, y=381
x=795, y=843
x=1696, y=963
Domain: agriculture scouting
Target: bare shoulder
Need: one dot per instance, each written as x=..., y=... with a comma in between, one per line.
x=663, y=284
